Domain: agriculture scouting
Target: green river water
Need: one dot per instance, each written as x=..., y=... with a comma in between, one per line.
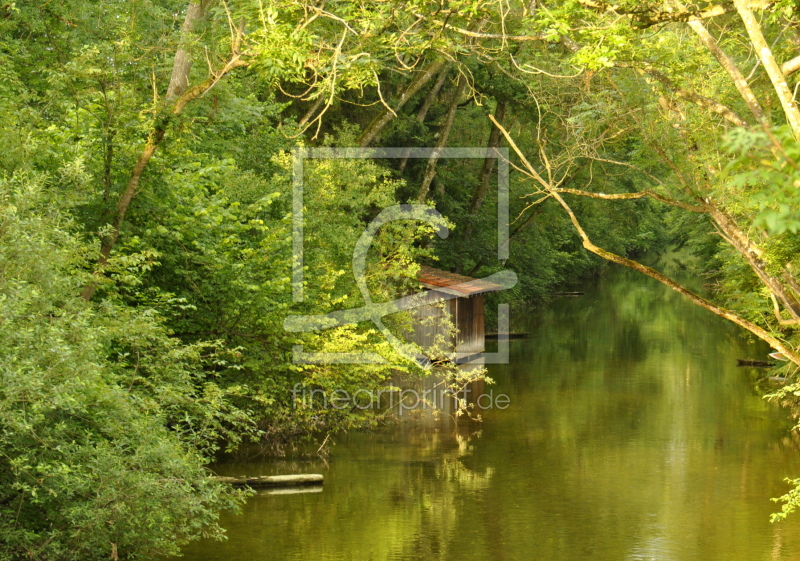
x=631, y=435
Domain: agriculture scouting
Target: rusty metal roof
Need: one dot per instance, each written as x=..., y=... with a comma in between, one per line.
x=458, y=283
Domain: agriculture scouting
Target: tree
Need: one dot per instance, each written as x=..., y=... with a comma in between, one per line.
x=704, y=186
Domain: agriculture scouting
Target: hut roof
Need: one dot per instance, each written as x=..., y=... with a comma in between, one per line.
x=457, y=284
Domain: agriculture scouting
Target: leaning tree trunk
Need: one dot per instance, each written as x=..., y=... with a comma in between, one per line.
x=738, y=239
x=482, y=188
x=426, y=105
x=773, y=69
x=444, y=136
x=733, y=71
x=182, y=64
x=553, y=192
x=385, y=116
x=178, y=96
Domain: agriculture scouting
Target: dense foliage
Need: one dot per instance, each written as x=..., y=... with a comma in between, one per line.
x=146, y=250
x=107, y=421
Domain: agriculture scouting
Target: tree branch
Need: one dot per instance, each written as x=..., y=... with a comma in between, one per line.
x=777, y=77
x=153, y=141
x=733, y=71
x=715, y=106
x=791, y=66
x=636, y=195
x=444, y=135
x=649, y=271
x=385, y=116
x=479, y=35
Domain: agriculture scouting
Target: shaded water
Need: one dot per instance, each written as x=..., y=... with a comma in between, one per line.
x=631, y=435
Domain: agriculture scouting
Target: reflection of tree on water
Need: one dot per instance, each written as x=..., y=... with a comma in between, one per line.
x=433, y=491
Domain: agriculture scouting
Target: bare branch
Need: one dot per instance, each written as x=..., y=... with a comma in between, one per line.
x=478, y=35
x=777, y=311
x=377, y=124
x=791, y=66
x=649, y=271
x=636, y=195
x=777, y=77
x=733, y=71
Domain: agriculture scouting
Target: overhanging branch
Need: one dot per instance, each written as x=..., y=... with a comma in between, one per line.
x=758, y=331
x=636, y=195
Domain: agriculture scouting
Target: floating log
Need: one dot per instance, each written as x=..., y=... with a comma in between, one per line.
x=495, y=336
x=755, y=363
x=567, y=293
x=273, y=480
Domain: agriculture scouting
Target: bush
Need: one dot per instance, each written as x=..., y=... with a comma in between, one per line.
x=106, y=422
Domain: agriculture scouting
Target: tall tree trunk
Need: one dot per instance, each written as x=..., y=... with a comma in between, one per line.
x=182, y=64
x=488, y=166
x=777, y=77
x=444, y=136
x=385, y=116
x=426, y=105
x=179, y=95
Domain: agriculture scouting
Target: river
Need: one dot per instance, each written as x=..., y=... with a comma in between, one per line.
x=631, y=435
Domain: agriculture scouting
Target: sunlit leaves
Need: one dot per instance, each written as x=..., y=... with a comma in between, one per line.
x=767, y=174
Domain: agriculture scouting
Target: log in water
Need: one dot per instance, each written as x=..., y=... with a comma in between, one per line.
x=274, y=480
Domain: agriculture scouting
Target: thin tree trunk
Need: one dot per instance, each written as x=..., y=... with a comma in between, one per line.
x=431, y=97
x=495, y=135
x=426, y=105
x=383, y=118
x=739, y=240
x=488, y=164
x=182, y=64
x=482, y=188
x=777, y=77
x=177, y=87
x=444, y=136
x=311, y=112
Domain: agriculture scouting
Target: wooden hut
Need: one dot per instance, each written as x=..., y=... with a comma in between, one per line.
x=464, y=310
x=453, y=301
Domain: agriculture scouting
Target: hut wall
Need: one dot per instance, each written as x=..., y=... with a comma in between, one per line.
x=468, y=317
x=466, y=314
x=429, y=321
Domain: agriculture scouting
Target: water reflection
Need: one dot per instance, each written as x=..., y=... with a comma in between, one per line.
x=631, y=435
